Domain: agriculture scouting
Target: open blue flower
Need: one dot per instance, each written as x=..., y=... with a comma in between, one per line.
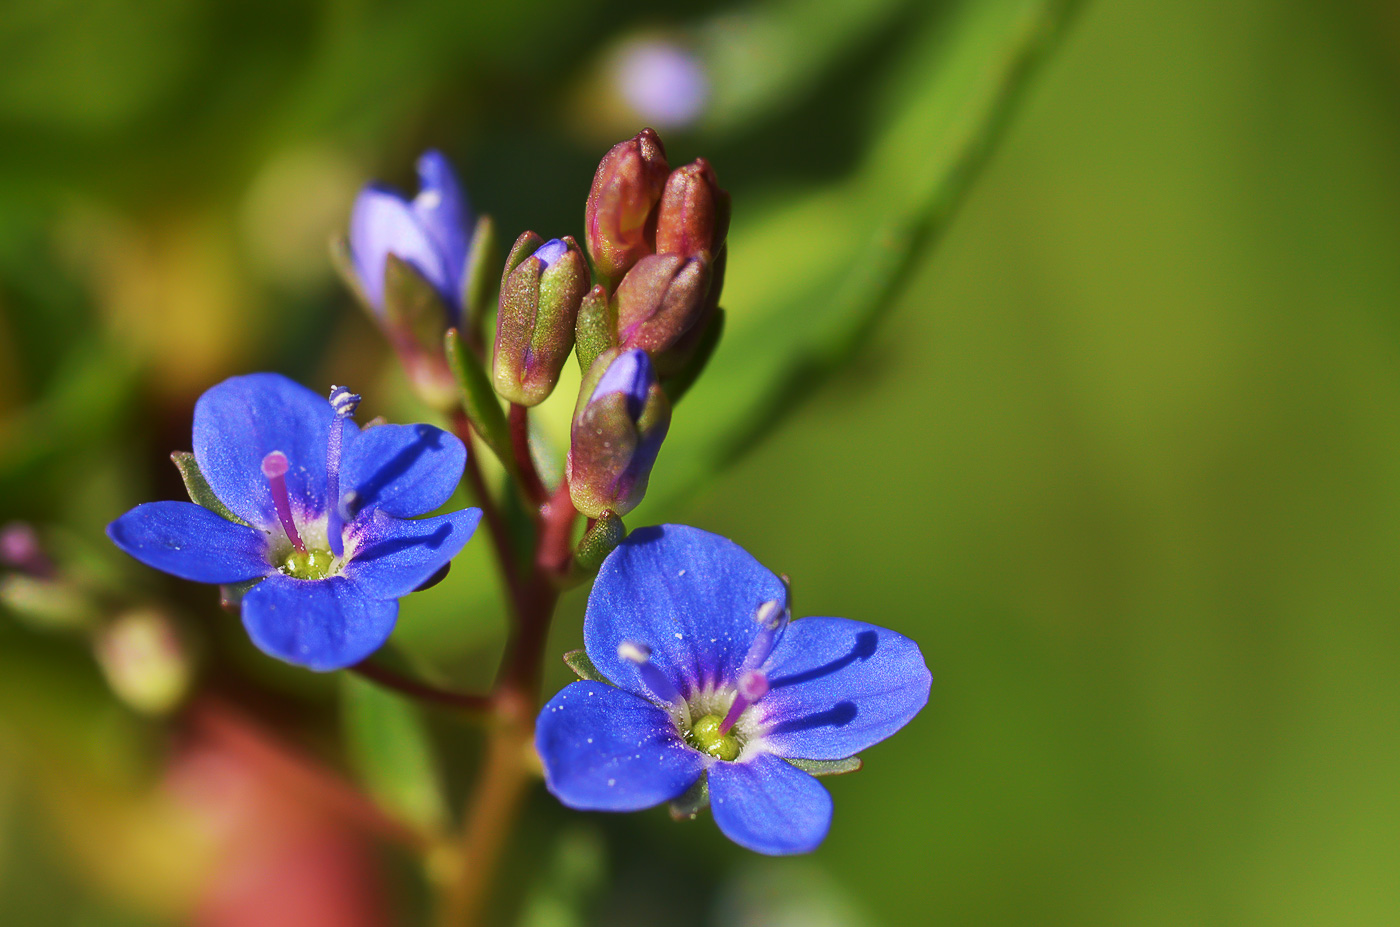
x=315, y=511
x=709, y=678
x=431, y=233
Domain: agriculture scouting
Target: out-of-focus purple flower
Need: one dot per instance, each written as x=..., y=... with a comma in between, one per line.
x=709, y=678
x=314, y=512
x=432, y=233
x=664, y=83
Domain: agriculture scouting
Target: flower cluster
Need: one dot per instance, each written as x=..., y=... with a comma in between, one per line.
x=697, y=687
x=311, y=510
x=702, y=677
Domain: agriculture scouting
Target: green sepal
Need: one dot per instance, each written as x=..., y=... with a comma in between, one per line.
x=577, y=660
x=479, y=280
x=389, y=745
x=679, y=383
x=413, y=309
x=597, y=542
x=198, y=487
x=527, y=244
x=593, y=330
x=828, y=767
x=344, y=265
x=694, y=800
x=478, y=399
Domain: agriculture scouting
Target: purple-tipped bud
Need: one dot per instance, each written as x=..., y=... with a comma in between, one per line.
x=539, y=304
x=619, y=424
x=693, y=215
x=660, y=301
x=619, y=218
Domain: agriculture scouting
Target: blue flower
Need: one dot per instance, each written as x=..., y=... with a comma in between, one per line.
x=316, y=512
x=709, y=678
x=431, y=232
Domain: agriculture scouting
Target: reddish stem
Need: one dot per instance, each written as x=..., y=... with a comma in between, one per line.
x=389, y=679
x=495, y=525
x=520, y=446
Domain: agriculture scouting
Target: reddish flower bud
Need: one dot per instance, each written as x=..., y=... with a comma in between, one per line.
x=619, y=218
x=693, y=215
x=660, y=300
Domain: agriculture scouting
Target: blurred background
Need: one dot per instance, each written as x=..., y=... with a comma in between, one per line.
x=1063, y=338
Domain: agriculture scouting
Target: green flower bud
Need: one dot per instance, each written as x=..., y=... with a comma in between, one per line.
x=619, y=424
x=620, y=217
x=535, y=325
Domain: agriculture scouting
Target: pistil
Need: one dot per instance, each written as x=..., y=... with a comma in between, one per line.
x=274, y=468
x=753, y=685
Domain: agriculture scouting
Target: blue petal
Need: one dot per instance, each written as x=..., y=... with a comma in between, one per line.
x=404, y=470
x=606, y=750
x=382, y=224
x=394, y=556
x=769, y=805
x=191, y=542
x=444, y=213
x=322, y=624
x=837, y=686
x=243, y=419
x=689, y=595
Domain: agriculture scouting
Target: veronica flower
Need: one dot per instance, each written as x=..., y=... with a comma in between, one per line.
x=431, y=232
x=312, y=511
x=711, y=686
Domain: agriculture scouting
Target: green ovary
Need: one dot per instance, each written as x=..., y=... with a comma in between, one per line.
x=314, y=564
x=704, y=735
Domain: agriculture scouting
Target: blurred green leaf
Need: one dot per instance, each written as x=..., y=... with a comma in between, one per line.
x=846, y=248
x=390, y=747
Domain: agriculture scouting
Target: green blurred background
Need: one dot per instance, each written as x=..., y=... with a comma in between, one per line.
x=1122, y=450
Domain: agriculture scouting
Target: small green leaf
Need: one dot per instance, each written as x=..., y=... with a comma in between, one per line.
x=389, y=746
x=583, y=667
x=695, y=800
x=198, y=487
x=480, y=281
x=828, y=767
x=479, y=400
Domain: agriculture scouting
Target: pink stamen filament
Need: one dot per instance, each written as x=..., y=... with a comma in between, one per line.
x=753, y=685
x=274, y=468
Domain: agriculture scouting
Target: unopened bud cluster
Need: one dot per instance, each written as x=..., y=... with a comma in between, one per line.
x=638, y=319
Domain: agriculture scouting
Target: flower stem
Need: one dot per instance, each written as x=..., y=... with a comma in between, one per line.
x=383, y=676
x=520, y=445
x=491, y=513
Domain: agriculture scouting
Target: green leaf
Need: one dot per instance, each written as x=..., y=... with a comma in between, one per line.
x=846, y=249
x=389, y=746
x=583, y=667
x=479, y=400
x=828, y=767
x=198, y=487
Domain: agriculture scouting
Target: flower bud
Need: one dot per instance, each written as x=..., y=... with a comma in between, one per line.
x=145, y=660
x=619, y=217
x=619, y=423
x=660, y=300
x=535, y=326
x=693, y=215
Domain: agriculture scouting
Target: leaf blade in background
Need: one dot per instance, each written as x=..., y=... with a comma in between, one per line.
x=392, y=752
x=950, y=96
